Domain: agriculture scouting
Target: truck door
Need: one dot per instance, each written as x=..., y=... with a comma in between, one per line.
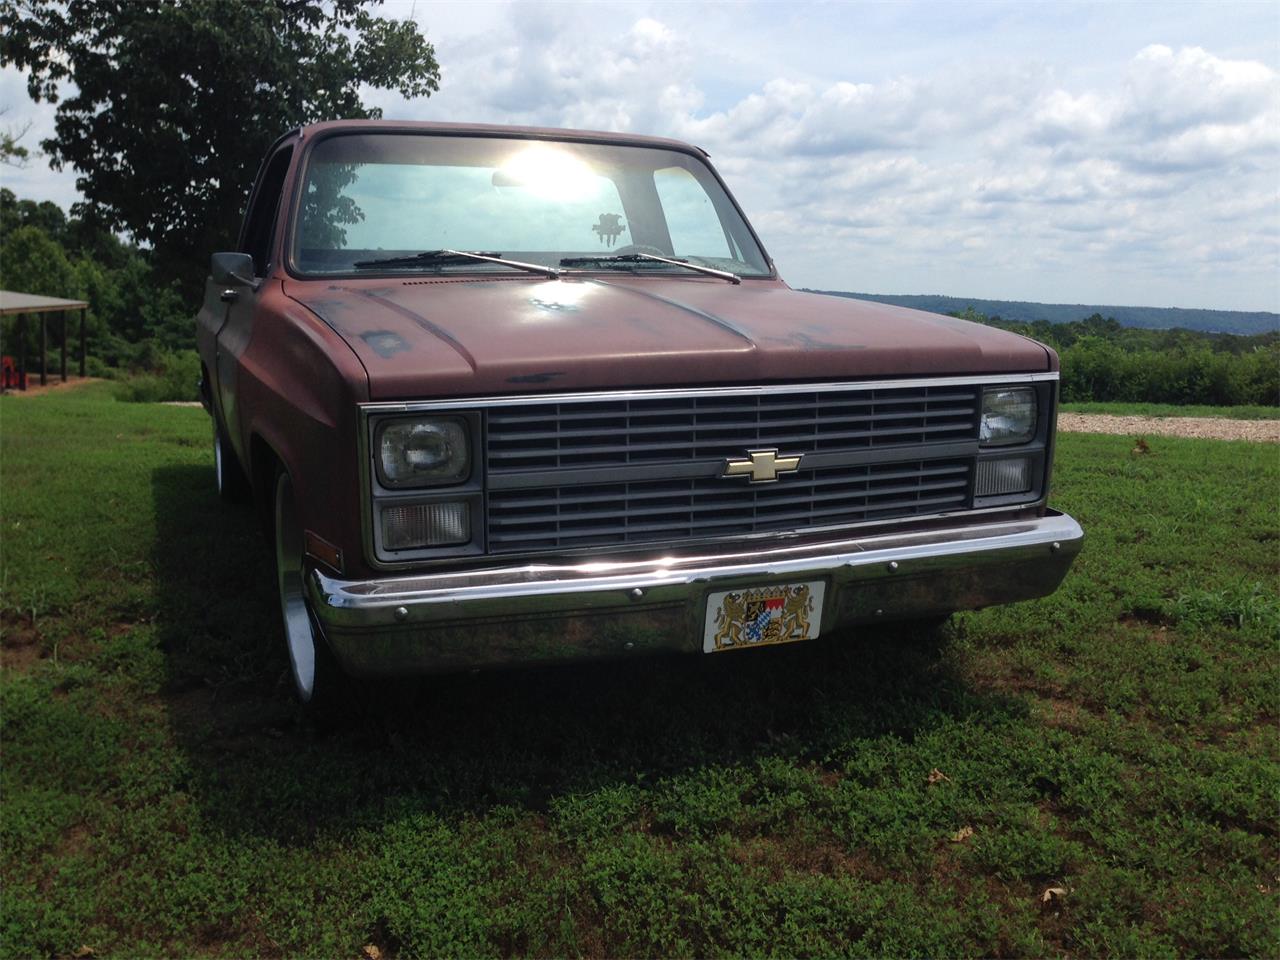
x=256, y=239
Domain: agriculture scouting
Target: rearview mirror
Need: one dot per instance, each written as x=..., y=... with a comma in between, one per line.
x=232, y=268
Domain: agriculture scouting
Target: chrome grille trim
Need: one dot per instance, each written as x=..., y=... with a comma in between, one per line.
x=484, y=403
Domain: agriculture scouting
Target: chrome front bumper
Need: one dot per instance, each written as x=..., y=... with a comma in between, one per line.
x=540, y=613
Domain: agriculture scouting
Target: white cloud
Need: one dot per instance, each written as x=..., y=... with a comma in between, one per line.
x=1175, y=111
x=1060, y=117
x=1168, y=90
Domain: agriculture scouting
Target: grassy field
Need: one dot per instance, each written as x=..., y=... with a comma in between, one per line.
x=1169, y=410
x=877, y=793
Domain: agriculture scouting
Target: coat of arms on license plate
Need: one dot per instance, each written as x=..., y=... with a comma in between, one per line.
x=759, y=616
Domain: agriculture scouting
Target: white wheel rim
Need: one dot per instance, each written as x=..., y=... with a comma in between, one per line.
x=298, y=633
x=217, y=457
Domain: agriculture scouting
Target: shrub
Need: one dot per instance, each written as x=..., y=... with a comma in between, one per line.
x=176, y=377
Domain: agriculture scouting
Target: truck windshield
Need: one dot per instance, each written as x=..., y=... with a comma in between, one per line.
x=380, y=196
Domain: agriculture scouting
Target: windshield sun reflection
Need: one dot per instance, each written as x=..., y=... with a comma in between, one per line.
x=548, y=174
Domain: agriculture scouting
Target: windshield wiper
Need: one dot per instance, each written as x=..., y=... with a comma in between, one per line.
x=649, y=258
x=443, y=257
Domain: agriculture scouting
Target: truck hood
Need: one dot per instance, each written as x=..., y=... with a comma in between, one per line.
x=420, y=338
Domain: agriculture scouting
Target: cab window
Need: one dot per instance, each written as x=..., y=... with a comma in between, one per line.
x=260, y=221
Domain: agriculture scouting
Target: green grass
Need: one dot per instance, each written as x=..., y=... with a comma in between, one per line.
x=162, y=796
x=1120, y=409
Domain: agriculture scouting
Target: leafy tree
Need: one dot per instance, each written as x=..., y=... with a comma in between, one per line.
x=177, y=101
x=46, y=215
x=325, y=209
x=31, y=262
x=77, y=237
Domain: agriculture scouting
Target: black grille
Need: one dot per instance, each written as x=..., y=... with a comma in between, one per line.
x=649, y=430
x=638, y=511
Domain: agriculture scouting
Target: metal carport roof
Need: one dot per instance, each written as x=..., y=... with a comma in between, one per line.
x=11, y=302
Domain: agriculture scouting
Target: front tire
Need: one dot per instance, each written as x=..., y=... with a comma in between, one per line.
x=316, y=675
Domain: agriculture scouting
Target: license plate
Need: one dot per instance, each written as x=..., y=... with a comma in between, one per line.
x=761, y=616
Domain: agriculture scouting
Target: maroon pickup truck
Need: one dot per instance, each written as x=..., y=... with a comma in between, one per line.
x=514, y=396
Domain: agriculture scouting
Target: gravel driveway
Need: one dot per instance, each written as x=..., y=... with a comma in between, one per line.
x=1208, y=428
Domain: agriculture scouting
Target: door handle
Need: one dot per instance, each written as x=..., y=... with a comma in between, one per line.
x=229, y=295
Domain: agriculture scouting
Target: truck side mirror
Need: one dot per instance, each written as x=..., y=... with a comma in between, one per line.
x=229, y=269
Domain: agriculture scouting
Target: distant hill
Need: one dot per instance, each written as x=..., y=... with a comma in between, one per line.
x=1155, y=318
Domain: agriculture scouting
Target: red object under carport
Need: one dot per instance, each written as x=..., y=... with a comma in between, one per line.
x=23, y=305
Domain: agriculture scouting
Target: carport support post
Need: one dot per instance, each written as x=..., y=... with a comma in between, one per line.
x=62, y=366
x=44, y=349
x=22, y=351
x=82, y=310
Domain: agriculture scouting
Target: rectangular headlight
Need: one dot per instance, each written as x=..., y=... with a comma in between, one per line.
x=426, y=525
x=1005, y=476
x=1008, y=416
x=422, y=452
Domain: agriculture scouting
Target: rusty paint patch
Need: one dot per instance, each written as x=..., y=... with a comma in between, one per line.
x=385, y=343
x=806, y=342
x=534, y=377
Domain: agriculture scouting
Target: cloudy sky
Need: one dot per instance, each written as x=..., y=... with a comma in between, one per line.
x=1118, y=153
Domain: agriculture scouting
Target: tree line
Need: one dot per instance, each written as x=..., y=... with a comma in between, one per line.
x=1244, y=322
x=1104, y=361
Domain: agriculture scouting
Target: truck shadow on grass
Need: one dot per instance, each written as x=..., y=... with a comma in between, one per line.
x=468, y=744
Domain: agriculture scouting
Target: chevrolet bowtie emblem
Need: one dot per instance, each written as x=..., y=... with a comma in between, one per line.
x=761, y=466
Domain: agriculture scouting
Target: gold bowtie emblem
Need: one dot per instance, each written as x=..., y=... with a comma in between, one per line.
x=762, y=466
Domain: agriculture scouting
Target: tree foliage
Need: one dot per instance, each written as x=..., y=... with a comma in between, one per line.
x=177, y=101
x=37, y=263
x=1103, y=361
x=12, y=153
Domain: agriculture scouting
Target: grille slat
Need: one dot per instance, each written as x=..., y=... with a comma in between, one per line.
x=719, y=447
x=608, y=508
x=731, y=495
x=660, y=429
x=541, y=413
x=648, y=430
x=634, y=532
x=639, y=511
